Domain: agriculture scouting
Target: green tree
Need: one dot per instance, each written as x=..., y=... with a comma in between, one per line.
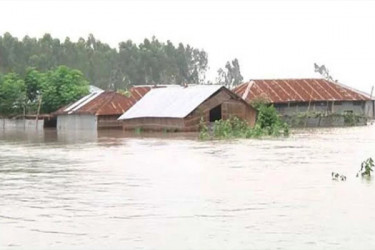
x=12, y=95
x=62, y=86
x=150, y=62
x=231, y=75
x=33, y=83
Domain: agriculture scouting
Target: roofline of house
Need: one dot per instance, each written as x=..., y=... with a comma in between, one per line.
x=314, y=78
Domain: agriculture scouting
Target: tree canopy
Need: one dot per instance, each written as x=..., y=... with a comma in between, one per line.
x=31, y=71
x=52, y=89
x=149, y=62
x=231, y=75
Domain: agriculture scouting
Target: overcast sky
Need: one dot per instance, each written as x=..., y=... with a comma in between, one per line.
x=271, y=39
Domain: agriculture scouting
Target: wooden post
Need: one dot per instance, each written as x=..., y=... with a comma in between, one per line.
x=37, y=114
x=373, y=103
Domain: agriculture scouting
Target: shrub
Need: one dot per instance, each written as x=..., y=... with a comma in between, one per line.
x=268, y=124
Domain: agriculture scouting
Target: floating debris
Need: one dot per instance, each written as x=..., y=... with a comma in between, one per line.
x=338, y=177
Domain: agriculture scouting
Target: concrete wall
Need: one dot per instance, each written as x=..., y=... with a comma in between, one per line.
x=370, y=109
x=322, y=121
x=76, y=122
x=21, y=123
x=362, y=108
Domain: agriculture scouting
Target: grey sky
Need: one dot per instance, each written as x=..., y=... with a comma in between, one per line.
x=271, y=39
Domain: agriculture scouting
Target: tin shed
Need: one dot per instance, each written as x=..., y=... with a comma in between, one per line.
x=181, y=108
x=99, y=109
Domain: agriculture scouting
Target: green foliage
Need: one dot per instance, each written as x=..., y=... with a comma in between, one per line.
x=268, y=117
x=123, y=92
x=350, y=119
x=12, y=95
x=55, y=88
x=149, y=62
x=258, y=102
x=33, y=82
x=366, y=168
x=62, y=86
x=203, y=130
x=138, y=131
x=269, y=125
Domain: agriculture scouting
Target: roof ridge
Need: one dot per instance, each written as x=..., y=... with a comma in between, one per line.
x=323, y=90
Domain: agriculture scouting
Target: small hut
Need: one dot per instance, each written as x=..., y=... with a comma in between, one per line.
x=99, y=109
x=178, y=108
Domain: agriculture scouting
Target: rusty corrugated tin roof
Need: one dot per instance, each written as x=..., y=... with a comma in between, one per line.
x=297, y=90
x=105, y=103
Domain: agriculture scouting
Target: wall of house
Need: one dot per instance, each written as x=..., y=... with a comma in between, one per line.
x=76, y=122
x=21, y=123
x=370, y=109
x=109, y=122
x=154, y=124
x=357, y=107
x=229, y=107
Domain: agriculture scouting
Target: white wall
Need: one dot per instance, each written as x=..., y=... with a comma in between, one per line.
x=76, y=122
x=21, y=123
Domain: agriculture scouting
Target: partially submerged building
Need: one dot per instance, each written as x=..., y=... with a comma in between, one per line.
x=293, y=96
x=28, y=122
x=177, y=108
x=99, y=109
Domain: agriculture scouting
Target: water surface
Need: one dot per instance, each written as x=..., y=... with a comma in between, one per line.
x=110, y=191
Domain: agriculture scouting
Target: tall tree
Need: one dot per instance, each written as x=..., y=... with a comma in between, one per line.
x=231, y=75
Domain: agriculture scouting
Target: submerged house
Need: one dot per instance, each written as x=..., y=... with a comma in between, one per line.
x=99, y=109
x=177, y=108
x=293, y=96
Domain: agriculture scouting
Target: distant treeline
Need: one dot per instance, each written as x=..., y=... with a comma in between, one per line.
x=149, y=62
x=45, y=74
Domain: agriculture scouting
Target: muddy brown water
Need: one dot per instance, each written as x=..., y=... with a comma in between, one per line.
x=112, y=191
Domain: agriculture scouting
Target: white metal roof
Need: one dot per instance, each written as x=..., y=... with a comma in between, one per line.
x=93, y=89
x=175, y=102
x=84, y=100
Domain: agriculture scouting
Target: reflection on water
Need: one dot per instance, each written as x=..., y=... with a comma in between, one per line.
x=110, y=191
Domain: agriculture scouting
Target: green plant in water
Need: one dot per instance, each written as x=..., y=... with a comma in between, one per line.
x=349, y=119
x=138, y=131
x=203, y=130
x=366, y=168
x=268, y=124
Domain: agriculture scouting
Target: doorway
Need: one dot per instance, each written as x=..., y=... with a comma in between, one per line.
x=215, y=114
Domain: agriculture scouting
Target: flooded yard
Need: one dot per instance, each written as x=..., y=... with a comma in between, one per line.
x=110, y=191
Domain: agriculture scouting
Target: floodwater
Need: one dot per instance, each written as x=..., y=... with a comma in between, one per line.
x=109, y=191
